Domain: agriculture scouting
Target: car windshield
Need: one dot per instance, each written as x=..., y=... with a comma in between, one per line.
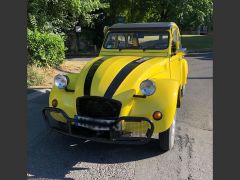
x=137, y=40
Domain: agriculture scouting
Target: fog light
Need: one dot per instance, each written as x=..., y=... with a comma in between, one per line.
x=54, y=103
x=157, y=115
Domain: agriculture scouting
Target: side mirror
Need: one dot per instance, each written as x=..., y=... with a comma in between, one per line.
x=182, y=51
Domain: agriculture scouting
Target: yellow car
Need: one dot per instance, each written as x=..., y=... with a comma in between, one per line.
x=129, y=93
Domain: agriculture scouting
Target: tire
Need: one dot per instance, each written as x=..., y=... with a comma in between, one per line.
x=180, y=96
x=179, y=100
x=166, y=138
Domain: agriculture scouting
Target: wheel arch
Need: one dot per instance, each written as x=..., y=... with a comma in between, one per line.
x=184, y=71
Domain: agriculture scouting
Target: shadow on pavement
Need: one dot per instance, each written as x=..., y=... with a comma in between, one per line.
x=57, y=154
x=201, y=56
x=29, y=90
x=53, y=155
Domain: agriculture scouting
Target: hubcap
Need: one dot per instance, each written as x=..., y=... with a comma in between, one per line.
x=183, y=90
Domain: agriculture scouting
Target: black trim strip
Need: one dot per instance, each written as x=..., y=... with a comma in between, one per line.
x=66, y=88
x=69, y=90
x=139, y=96
x=90, y=75
x=125, y=71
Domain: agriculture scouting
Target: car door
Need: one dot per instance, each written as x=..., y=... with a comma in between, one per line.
x=175, y=59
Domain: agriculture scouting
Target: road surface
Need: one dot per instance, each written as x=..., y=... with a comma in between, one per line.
x=54, y=156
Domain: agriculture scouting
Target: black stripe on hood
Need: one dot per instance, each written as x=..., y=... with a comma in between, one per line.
x=122, y=75
x=90, y=75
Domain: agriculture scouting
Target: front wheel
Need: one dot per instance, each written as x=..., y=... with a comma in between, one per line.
x=166, y=138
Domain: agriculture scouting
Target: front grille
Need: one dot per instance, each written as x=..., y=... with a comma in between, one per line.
x=98, y=107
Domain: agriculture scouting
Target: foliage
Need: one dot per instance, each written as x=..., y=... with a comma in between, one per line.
x=33, y=78
x=193, y=13
x=49, y=20
x=188, y=14
x=45, y=17
x=45, y=49
x=61, y=15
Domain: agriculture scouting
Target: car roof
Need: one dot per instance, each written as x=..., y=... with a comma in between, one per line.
x=152, y=25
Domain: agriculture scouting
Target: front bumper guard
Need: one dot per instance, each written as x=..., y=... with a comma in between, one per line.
x=114, y=134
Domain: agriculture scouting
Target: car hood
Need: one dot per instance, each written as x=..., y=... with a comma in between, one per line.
x=119, y=77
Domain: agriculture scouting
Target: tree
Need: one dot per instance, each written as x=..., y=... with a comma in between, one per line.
x=61, y=15
x=193, y=13
x=188, y=14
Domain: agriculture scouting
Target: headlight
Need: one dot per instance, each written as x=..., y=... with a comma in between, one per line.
x=60, y=81
x=147, y=87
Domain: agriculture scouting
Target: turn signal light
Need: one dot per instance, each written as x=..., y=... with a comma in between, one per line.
x=54, y=103
x=157, y=115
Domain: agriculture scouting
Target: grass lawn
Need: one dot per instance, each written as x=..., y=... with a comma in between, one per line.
x=197, y=42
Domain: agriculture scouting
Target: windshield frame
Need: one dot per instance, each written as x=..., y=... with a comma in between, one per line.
x=137, y=31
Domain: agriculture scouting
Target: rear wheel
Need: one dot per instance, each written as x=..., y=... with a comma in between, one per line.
x=180, y=96
x=166, y=138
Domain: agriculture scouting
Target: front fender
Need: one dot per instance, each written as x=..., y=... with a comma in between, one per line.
x=66, y=97
x=164, y=100
x=66, y=100
x=184, y=71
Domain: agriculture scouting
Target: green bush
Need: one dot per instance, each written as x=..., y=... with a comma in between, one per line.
x=45, y=49
x=33, y=78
